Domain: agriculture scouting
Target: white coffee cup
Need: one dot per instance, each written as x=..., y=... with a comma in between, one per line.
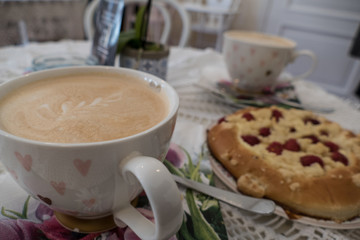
x=69, y=177
x=255, y=60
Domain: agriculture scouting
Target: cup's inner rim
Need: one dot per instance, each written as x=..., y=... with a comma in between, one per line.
x=171, y=96
x=232, y=35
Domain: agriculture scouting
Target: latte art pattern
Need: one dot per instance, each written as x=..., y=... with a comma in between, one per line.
x=82, y=108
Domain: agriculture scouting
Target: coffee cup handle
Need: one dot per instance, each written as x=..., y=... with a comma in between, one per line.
x=163, y=195
x=310, y=54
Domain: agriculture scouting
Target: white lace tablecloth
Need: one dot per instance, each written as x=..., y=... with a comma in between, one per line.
x=199, y=109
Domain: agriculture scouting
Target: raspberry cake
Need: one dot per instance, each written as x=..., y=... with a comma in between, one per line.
x=304, y=162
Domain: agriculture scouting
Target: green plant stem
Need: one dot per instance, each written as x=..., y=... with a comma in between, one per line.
x=145, y=24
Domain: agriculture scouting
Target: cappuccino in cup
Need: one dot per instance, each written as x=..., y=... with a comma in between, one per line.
x=260, y=39
x=82, y=108
x=86, y=141
x=255, y=60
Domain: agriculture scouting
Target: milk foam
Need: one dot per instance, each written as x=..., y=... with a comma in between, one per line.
x=82, y=108
x=260, y=39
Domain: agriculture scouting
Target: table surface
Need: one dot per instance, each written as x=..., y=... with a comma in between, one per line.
x=198, y=110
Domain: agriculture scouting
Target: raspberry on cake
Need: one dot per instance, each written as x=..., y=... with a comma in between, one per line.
x=304, y=162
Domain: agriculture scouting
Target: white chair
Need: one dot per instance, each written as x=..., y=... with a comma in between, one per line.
x=211, y=17
x=38, y=21
x=161, y=5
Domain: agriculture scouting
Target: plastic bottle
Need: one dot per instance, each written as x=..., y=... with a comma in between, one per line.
x=107, y=30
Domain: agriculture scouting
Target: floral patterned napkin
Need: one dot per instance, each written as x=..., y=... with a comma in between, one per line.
x=202, y=217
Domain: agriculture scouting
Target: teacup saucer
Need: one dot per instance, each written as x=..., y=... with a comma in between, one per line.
x=283, y=94
x=82, y=225
x=85, y=225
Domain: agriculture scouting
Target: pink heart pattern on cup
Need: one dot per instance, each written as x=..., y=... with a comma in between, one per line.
x=253, y=68
x=26, y=161
x=252, y=52
x=82, y=166
x=60, y=187
x=89, y=202
x=13, y=173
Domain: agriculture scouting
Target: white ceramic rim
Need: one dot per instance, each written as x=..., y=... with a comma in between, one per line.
x=9, y=86
x=228, y=34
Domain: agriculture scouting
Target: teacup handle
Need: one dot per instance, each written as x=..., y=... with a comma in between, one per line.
x=163, y=195
x=313, y=64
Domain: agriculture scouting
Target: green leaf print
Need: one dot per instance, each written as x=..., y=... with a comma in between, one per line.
x=205, y=220
x=16, y=215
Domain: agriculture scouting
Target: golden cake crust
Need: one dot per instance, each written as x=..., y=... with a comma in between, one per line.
x=330, y=189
